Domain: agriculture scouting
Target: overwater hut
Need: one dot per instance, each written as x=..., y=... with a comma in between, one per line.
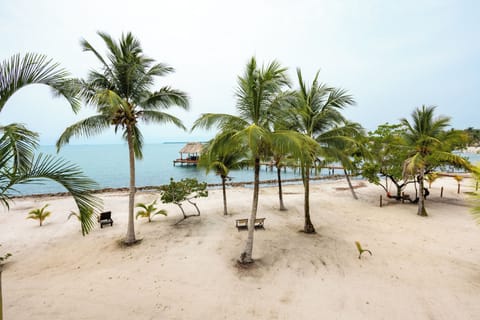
x=189, y=154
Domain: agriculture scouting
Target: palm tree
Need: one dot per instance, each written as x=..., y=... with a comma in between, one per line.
x=39, y=214
x=430, y=147
x=121, y=94
x=149, y=210
x=18, y=163
x=258, y=99
x=221, y=157
x=316, y=114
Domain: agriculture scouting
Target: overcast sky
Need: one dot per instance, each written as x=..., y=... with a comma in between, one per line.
x=392, y=56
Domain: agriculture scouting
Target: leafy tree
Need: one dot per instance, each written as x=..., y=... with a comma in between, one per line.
x=18, y=163
x=259, y=97
x=39, y=214
x=149, y=210
x=120, y=92
x=221, y=157
x=388, y=152
x=186, y=189
x=429, y=146
x=316, y=115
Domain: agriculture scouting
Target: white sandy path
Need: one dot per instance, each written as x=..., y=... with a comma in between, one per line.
x=421, y=268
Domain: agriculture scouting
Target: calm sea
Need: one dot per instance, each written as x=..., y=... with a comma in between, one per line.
x=108, y=166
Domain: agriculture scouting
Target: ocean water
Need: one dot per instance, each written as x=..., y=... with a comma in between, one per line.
x=108, y=166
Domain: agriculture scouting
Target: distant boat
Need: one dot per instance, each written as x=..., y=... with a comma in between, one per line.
x=189, y=154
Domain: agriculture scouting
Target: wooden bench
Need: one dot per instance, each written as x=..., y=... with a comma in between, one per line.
x=243, y=223
x=105, y=218
x=259, y=223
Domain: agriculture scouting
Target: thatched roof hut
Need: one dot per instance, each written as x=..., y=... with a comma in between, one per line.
x=192, y=150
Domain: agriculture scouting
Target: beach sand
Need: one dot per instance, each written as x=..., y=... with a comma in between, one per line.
x=421, y=268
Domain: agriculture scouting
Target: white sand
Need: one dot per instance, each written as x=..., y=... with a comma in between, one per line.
x=421, y=268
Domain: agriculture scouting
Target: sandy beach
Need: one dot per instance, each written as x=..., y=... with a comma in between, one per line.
x=421, y=268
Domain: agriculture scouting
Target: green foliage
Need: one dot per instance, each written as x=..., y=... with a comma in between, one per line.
x=473, y=136
x=39, y=214
x=179, y=191
x=184, y=190
x=149, y=210
x=18, y=164
x=431, y=177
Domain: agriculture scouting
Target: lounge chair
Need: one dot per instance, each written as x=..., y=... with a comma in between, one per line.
x=105, y=218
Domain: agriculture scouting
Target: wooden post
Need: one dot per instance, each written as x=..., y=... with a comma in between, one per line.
x=458, y=189
x=403, y=197
x=381, y=204
x=441, y=192
x=476, y=186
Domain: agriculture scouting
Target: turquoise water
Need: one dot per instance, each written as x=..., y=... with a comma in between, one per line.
x=108, y=166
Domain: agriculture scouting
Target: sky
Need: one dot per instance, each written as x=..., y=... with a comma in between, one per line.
x=392, y=56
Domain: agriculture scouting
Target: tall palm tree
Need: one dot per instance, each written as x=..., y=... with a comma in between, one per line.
x=258, y=99
x=121, y=94
x=316, y=114
x=430, y=147
x=18, y=163
x=221, y=157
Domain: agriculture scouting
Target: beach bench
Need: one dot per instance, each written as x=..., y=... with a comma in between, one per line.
x=243, y=223
x=105, y=218
x=259, y=223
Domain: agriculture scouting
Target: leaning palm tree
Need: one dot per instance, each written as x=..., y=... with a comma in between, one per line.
x=221, y=157
x=430, y=147
x=315, y=113
x=121, y=94
x=18, y=163
x=258, y=99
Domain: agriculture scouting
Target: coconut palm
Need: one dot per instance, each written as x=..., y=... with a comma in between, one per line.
x=259, y=96
x=221, y=157
x=120, y=92
x=18, y=163
x=39, y=214
x=430, y=178
x=430, y=147
x=316, y=114
x=149, y=210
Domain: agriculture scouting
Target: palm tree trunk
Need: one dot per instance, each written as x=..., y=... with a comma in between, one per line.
x=308, y=228
x=350, y=184
x=130, y=237
x=421, y=201
x=224, y=196
x=280, y=192
x=246, y=256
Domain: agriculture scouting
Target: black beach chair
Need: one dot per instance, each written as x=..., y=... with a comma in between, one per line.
x=105, y=218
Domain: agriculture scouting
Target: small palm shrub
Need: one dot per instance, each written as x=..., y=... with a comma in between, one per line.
x=149, y=210
x=39, y=214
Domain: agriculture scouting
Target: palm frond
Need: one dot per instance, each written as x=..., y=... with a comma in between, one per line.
x=19, y=144
x=165, y=98
x=20, y=71
x=161, y=118
x=88, y=127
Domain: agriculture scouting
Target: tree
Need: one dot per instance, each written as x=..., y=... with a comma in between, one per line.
x=388, y=151
x=121, y=94
x=316, y=114
x=221, y=157
x=259, y=97
x=430, y=146
x=184, y=190
x=39, y=214
x=149, y=210
x=18, y=163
